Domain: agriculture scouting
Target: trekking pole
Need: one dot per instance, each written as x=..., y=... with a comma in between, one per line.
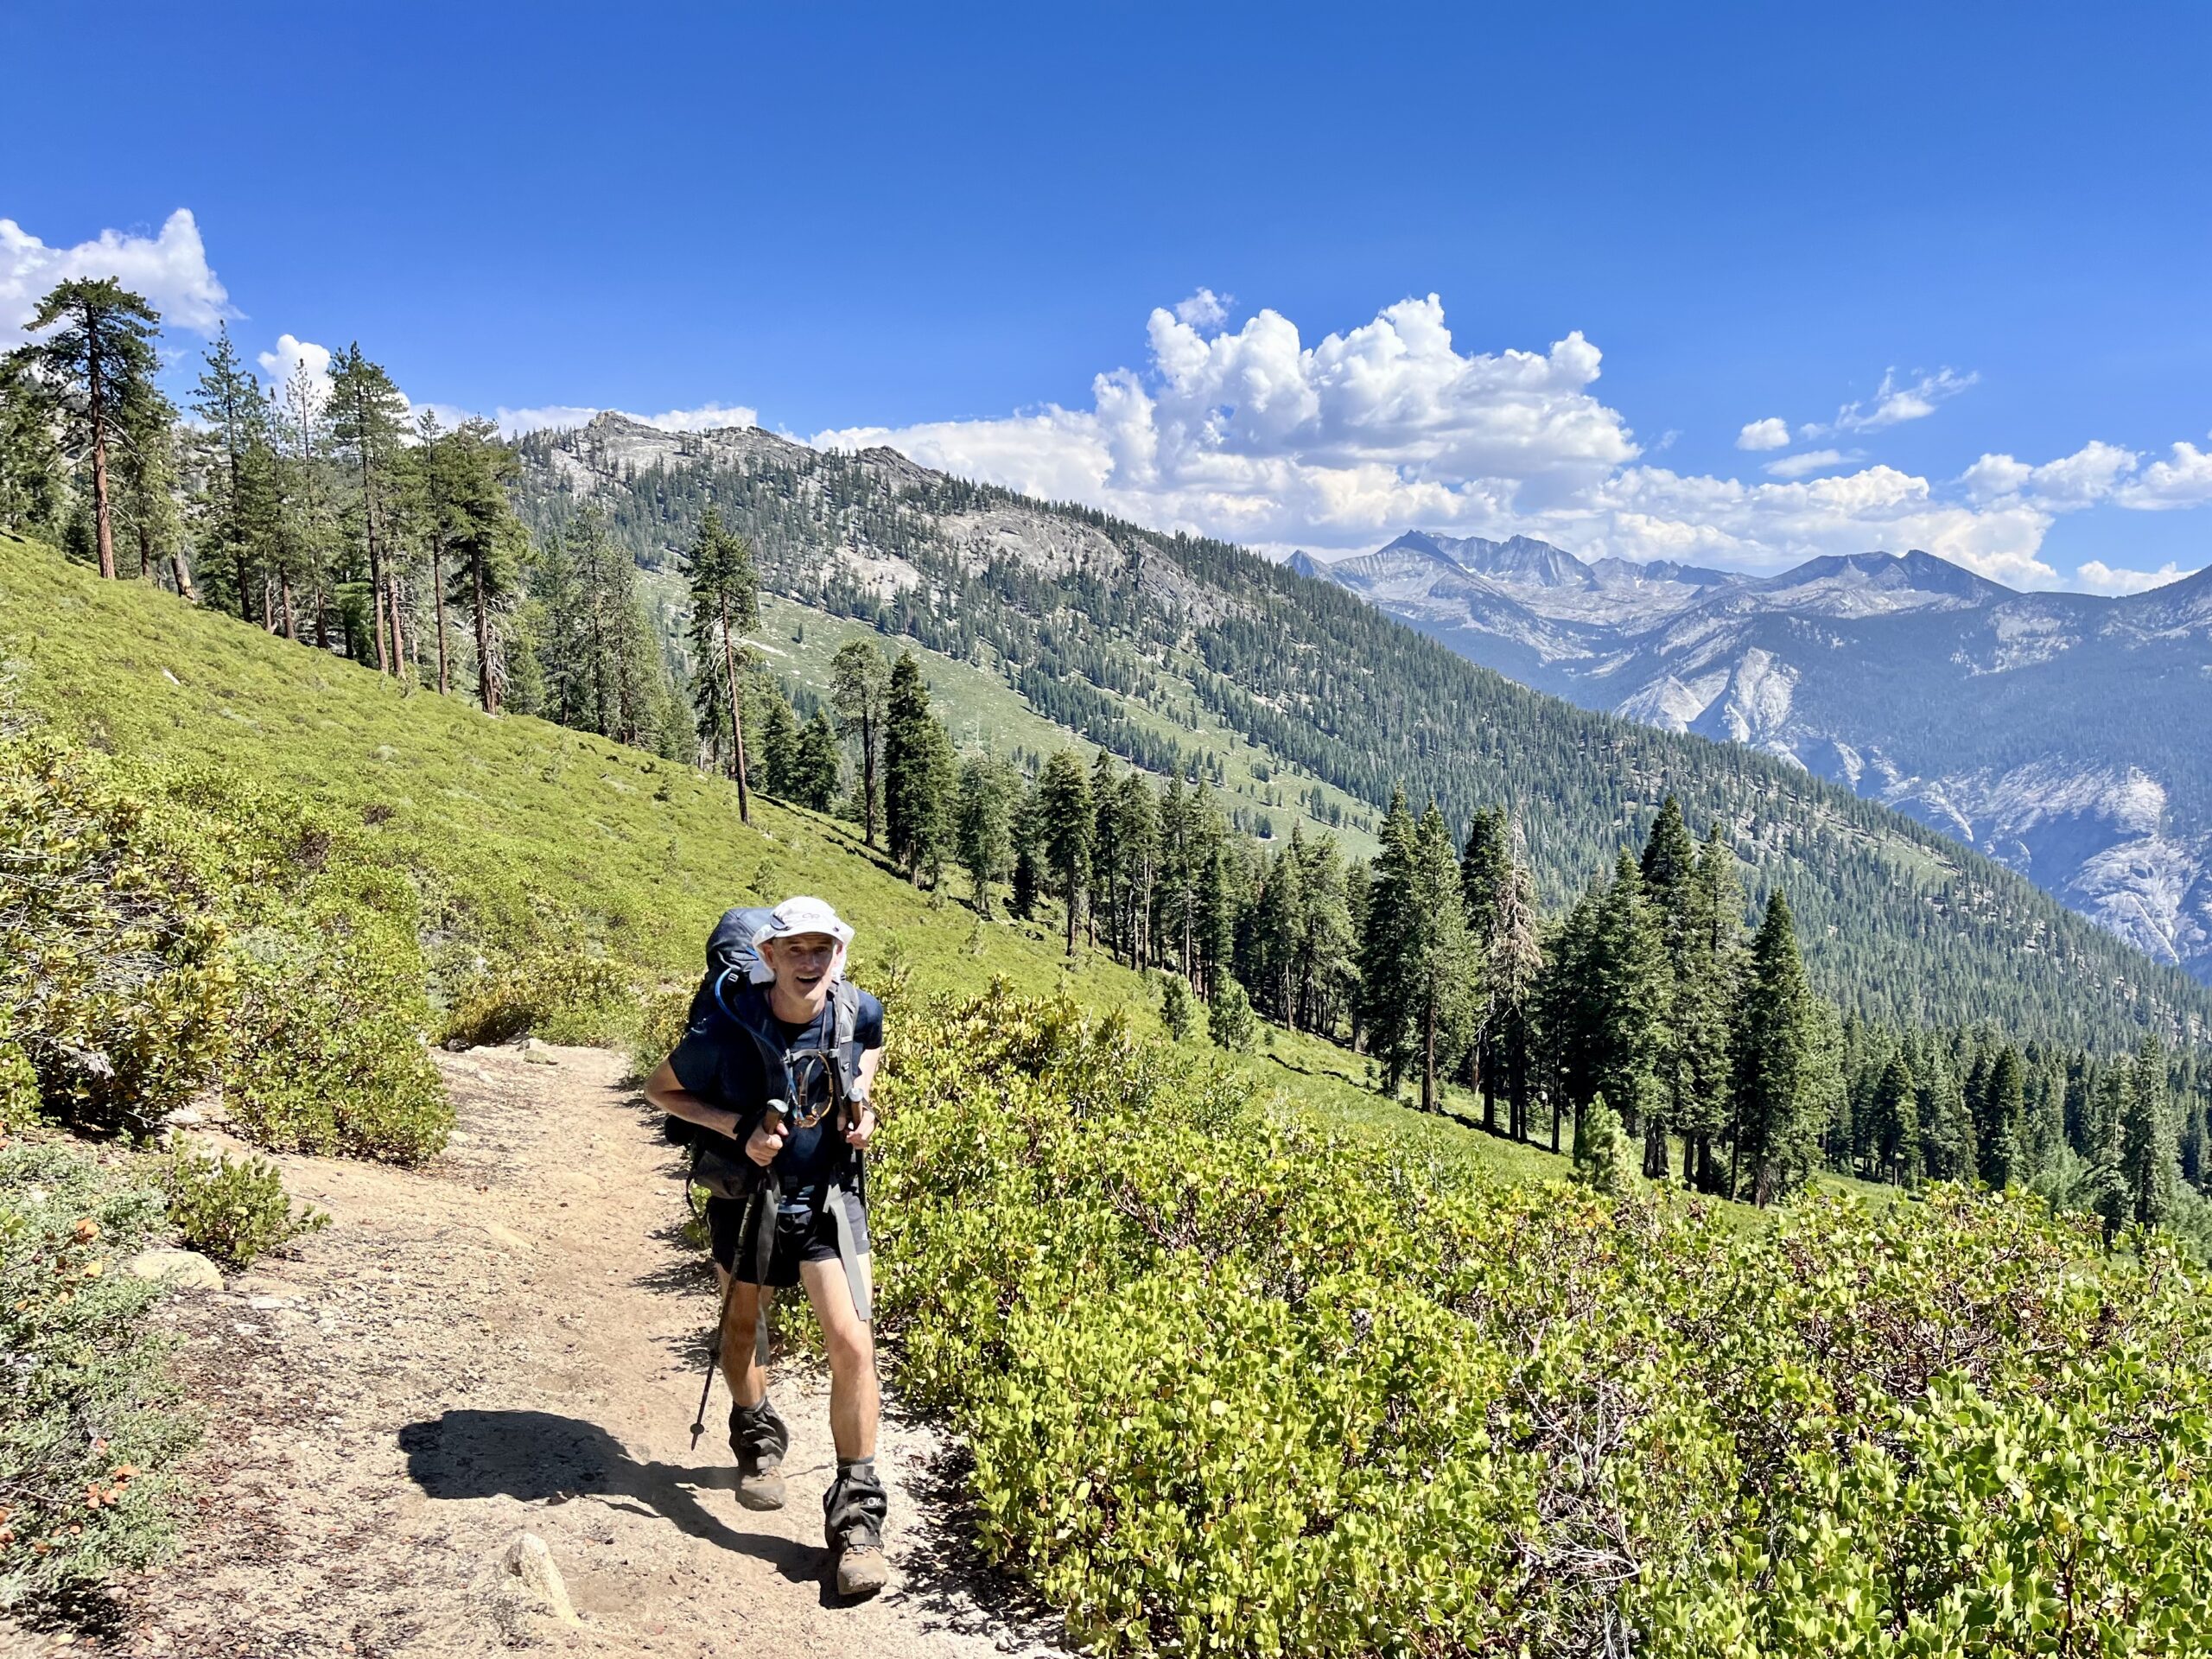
x=714, y=1358
x=774, y=1121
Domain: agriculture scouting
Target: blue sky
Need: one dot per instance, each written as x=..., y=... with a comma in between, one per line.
x=943, y=230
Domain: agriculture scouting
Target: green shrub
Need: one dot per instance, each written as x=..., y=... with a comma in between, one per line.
x=560, y=997
x=20, y=1104
x=329, y=1031
x=234, y=1212
x=1237, y=1385
x=89, y=1424
x=660, y=1027
x=1604, y=1161
x=1230, y=1020
x=191, y=929
x=113, y=982
x=1178, y=1010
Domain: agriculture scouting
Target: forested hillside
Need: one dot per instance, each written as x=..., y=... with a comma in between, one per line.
x=1170, y=651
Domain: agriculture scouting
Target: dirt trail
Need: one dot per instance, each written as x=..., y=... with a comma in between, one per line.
x=513, y=1340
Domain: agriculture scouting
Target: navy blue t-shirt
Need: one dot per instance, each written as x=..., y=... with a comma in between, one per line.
x=720, y=1061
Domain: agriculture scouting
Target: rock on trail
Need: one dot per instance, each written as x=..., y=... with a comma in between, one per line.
x=507, y=1342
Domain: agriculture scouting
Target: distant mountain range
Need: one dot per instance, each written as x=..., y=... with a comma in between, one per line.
x=2067, y=736
x=1295, y=701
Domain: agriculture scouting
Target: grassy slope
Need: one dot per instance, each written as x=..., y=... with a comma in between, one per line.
x=984, y=712
x=524, y=832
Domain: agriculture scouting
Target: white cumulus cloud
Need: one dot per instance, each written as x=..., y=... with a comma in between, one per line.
x=169, y=269
x=1894, y=402
x=2098, y=577
x=1812, y=460
x=1255, y=435
x=1205, y=309
x=1772, y=433
x=2183, y=480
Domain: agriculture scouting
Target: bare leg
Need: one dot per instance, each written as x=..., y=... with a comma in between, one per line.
x=854, y=1402
x=748, y=1378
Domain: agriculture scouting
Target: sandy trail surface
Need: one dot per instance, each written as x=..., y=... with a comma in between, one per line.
x=509, y=1341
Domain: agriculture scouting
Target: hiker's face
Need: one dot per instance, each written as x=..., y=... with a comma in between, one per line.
x=801, y=963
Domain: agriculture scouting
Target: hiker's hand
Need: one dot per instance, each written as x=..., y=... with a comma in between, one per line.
x=856, y=1136
x=763, y=1144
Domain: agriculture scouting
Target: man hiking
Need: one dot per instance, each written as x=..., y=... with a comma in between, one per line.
x=774, y=1070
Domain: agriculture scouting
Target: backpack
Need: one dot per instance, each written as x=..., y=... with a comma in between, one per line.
x=734, y=965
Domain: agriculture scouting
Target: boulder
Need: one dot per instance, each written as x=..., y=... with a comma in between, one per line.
x=528, y=1582
x=184, y=1269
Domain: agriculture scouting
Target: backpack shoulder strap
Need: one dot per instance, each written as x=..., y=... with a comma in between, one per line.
x=845, y=997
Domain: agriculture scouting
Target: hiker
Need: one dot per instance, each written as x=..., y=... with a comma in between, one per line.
x=774, y=1070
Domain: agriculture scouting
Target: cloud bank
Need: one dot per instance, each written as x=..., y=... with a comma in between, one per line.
x=169, y=268
x=1254, y=434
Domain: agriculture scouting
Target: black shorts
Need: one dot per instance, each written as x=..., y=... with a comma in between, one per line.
x=807, y=1230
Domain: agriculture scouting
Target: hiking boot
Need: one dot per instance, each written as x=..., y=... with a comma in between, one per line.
x=852, y=1525
x=861, y=1569
x=759, y=1438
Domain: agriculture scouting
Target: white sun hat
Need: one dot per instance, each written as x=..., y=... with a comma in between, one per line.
x=803, y=914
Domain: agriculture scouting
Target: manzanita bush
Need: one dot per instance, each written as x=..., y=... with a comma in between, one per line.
x=1241, y=1382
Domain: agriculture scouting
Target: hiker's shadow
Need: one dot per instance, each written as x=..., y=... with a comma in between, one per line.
x=537, y=1455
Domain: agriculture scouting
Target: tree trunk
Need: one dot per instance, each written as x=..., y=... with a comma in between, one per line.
x=1428, y=1058
x=737, y=717
x=145, y=553
x=183, y=572
x=284, y=603
x=486, y=692
x=268, y=607
x=1689, y=1159
x=1555, y=1105
x=438, y=600
x=867, y=796
x=104, y=529
x=386, y=662
x=1068, y=877
x=399, y=635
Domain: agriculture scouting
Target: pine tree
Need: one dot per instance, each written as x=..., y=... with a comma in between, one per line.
x=725, y=603
x=34, y=485
x=1896, y=1124
x=1631, y=992
x=1446, y=968
x=97, y=349
x=1065, y=826
x=366, y=419
x=1785, y=1066
x=858, y=678
x=1323, y=974
x=1485, y=875
x=2148, y=1166
x=911, y=805
x=821, y=764
x=1136, y=842
x=146, y=473
x=2004, y=1100
x=774, y=731
x=984, y=834
x=1515, y=966
x=480, y=531
x=1708, y=954
x=309, y=536
x=1947, y=1137
x=1388, y=948
x=2107, y=1191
